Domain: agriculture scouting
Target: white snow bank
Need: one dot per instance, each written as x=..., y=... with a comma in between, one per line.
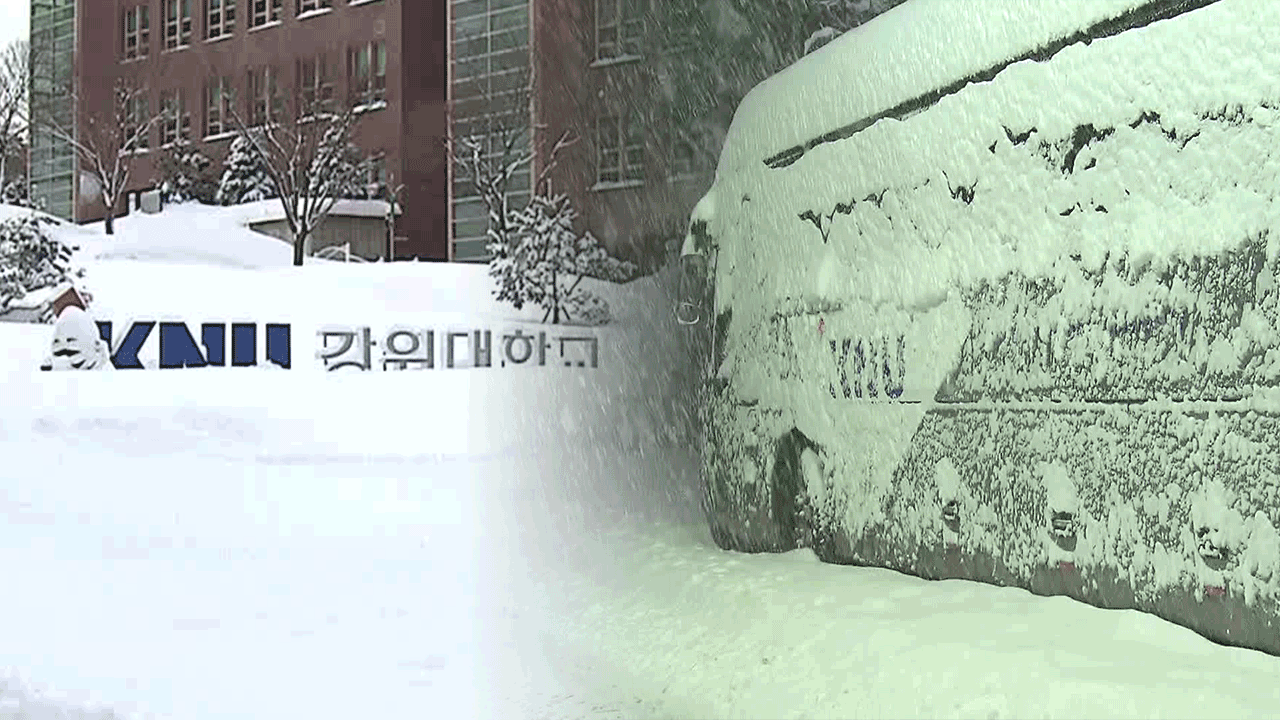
x=191, y=234
x=8, y=211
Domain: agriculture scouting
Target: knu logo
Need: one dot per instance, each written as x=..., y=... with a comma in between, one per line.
x=178, y=347
x=874, y=371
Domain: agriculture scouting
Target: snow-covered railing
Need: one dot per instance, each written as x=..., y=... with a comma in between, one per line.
x=339, y=252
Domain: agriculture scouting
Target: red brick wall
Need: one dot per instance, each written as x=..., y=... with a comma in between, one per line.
x=415, y=86
x=573, y=92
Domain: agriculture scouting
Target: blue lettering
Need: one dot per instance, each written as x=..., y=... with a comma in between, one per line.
x=279, y=346
x=178, y=348
x=244, y=345
x=126, y=356
x=214, y=337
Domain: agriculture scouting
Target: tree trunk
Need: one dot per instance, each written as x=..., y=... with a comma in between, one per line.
x=299, y=248
x=111, y=220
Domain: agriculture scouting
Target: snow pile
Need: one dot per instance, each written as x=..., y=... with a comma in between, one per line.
x=244, y=506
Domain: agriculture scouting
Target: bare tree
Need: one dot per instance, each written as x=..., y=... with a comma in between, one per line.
x=107, y=143
x=306, y=149
x=493, y=154
x=393, y=193
x=15, y=102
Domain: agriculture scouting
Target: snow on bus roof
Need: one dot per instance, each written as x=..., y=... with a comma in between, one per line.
x=910, y=50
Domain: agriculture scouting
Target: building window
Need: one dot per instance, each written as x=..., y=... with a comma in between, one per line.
x=620, y=144
x=177, y=23
x=619, y=26
x=315, y=83
x=683, y=160
x=377, y=177
x=306, y=6
x=175, y=121
x=217, y=106
x=137, y=32
x=137, y=126
x=264, y=90
x=367, y=69
x=221, y=18
x=265, y=11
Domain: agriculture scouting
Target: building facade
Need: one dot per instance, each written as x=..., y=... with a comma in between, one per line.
x=199, y=60
x=589, y=70
x=52, y=164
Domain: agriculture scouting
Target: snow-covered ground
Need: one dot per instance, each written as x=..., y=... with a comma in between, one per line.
x=471, y=543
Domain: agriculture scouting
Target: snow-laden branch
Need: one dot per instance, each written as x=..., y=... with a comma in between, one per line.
x=308, y=155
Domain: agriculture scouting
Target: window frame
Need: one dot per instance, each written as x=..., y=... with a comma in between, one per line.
x=175, y=124
x=225, y=23
x=319, y=92
x=266, y=102
x=176, y=16
x=140, y=34
x=620, y=150
x=369, y=87
x=137, y=107
x=311, y=6
x=265, y=12
x=626, y=27
x=221, y=108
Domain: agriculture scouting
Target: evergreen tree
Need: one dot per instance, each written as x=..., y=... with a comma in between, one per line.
x=186, y=174
x=546, y=260
x=244, y=177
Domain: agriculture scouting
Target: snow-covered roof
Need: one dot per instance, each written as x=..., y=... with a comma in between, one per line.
x=270, y=210
x=1128, y=144
x=909, y=50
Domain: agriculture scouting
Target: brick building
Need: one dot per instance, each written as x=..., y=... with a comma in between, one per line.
x=198, y=56
x=590, y=66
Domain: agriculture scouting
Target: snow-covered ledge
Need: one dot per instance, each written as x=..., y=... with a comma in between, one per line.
x=264, y=211
x=266, y=25
x=361, y=2
x=220, y=136
x=622, y=185
x=615, y=60
x=369, y=107
x=314, y=13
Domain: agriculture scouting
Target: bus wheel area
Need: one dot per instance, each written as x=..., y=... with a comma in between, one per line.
x=753, y=479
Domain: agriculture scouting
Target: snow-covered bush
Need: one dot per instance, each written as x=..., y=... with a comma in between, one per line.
x=30, y=258
x=546, y=260
x=244, y=177
x=186, y=174
x=15, y=193
x=341, y=174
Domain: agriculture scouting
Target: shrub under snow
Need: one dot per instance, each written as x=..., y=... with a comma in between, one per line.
x=30, y=258
x=244, y=178
x=545, y=262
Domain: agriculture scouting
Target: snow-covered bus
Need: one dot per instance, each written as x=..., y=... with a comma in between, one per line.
x=994, y=293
